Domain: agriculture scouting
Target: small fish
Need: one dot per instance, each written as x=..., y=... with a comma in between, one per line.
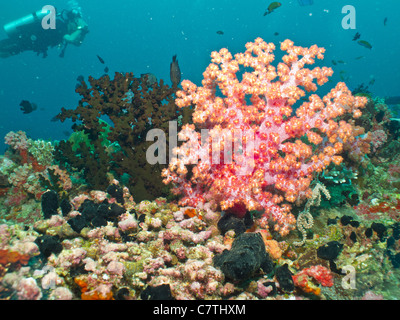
x=276, y=33
x=356, y=36
x=371, y=82
x=106, y=69
x=27, y=107
x=190, y=212
x=360, y=57
x=220, y=32
x=175, y=72
x=100, y=59
x=385, y=21
x=364, y=44
x=334, y=62
x=340, y=61
x=273, y=5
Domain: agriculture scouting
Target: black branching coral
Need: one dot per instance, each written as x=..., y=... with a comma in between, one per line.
x=114, y=117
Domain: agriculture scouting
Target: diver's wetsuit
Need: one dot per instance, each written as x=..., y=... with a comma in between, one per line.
x=32, y=37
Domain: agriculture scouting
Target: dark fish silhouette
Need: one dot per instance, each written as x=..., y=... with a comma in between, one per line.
x=356, y=36
x=385, y=21
x=276, y=33
x=175, y=72
x=273, y=5
x=106, y=69
x=220, y=32
x=100, y=59
x=62, y=53
x=27, y=107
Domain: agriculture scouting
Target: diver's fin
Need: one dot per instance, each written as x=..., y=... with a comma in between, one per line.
x=63, y=50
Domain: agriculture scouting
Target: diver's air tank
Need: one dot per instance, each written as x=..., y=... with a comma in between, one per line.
x=12, y=27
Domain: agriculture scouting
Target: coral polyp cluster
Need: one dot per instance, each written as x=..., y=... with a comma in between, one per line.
x=280, y=148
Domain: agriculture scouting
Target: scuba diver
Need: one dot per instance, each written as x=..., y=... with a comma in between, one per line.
x=27, y=34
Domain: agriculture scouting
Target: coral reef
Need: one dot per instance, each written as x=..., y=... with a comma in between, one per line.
x=118, y=144
x=61, y=239
x=245, y=258
x=28, y=170
x=275, y=152
x=304, y=279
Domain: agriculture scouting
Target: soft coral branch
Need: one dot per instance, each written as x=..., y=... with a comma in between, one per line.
x=270, y=160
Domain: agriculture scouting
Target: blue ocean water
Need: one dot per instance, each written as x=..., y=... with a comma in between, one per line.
x=83, y=235
x=142, y=37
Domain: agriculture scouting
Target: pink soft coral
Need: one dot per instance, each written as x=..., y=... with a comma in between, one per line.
x=265, y=159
